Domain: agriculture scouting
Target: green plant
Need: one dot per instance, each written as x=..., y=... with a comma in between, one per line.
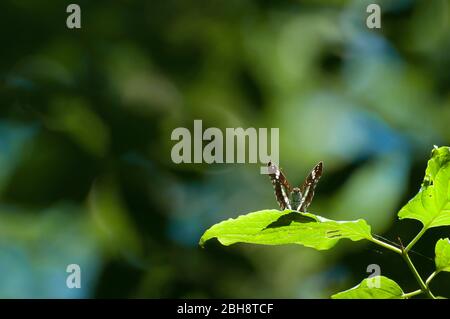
x=431, y=206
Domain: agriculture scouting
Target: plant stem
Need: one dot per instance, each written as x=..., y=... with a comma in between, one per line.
x=414, y=241
x=429, y=279
x=386, y=245
x=412, y=294
x=413, y=269
x=404, y=252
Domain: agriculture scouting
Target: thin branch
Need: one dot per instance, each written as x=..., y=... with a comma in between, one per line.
x=412, y=294
x=385, y=245
x=429, y=279
x=413, y=269
x=414, y=241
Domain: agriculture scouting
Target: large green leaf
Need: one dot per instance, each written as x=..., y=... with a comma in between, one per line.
x=378, y=287
x=274, y=227
x=431, y=205
x=442, y=258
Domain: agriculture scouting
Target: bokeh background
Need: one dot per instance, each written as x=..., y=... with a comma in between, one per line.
x=86, y=117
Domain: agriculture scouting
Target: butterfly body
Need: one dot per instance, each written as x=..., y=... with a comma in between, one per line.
x=295, y=198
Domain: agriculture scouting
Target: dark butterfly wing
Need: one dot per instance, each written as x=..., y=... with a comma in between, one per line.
x=308, y=186
x=281, y=186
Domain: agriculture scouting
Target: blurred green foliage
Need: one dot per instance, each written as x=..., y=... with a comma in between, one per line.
x=86, y=116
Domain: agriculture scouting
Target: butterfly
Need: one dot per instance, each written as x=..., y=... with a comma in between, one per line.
x=296, y=198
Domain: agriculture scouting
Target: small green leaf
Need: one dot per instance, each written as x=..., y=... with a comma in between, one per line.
x=431, y=205
x=274, y=227
x=442, y=258
x=378, y=287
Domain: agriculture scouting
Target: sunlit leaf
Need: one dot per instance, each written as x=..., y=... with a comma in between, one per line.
x=378, y=287
x=442, y=258
x=273, y=227
x=431, y=205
